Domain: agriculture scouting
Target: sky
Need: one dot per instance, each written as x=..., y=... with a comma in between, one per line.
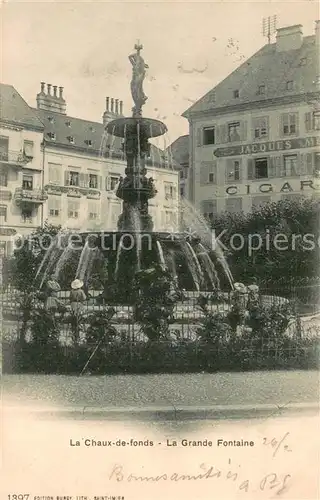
x=84, y=47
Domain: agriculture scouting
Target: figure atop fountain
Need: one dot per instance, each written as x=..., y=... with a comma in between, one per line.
x=138, y=74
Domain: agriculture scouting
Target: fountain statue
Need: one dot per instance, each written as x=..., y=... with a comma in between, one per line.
x=112, y=261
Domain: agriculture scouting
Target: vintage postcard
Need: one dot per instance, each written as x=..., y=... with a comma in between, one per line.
x=159, y=238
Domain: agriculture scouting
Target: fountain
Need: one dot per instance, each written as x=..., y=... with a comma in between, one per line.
x=109, y=262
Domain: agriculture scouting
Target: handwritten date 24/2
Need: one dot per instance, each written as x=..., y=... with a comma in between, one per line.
x=277, y=444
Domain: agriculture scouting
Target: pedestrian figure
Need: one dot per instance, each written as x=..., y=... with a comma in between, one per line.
x=77, y=296
x=236, y=316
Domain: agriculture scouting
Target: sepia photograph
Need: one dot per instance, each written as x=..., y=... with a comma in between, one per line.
x=160, y=250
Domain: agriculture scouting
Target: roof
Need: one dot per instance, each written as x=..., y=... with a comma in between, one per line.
x=64, y=127
x=270, y=68
x=180, y=150
x=14, y=109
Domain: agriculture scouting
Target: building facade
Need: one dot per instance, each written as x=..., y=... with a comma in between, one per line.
x=65, y=170
x=255, y=137
x=21, y=168
x=179, y=151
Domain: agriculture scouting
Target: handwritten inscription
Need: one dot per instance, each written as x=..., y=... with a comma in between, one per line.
x=271, y=481
x=277, y=444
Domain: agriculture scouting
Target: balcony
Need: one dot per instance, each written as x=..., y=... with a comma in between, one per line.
x=13, y=158
x=34, y=196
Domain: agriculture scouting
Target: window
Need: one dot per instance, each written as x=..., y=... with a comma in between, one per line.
x=73, y=178
x=232, y=170
x=261, y=90
x=93, y=181
x=54, y=205
x=70, y=139
x=289, y=165
x=28, y=149
x=236, y=94
x=93, y=211
x=233, y=205
x=260, y=168
x=208, y=136
x=54, y=173
x=27, y=182
x=260, y=201
x=289, y=123
x=260, y=127
x=181, y=174
x=111, y=182
x=209, y=209
x=316, y=120
x=170, y=191
x=317, y=165
x=181, y=190
x=4, y=147
x=3, y=179
x=51, y=136
x=26, y=215
x=68, y=124
x=73, y=209
x=51, y=119
x=170, y=218
x=88, y=142
x=289, y=85
x=208, y=172
x=303, y=61
x=234, y=132
x=3, y=214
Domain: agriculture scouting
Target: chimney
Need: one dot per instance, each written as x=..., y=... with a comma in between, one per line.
x=289, y=38
x=121, y=108
x=317, y=33
x=51, y=102
x=113, y=110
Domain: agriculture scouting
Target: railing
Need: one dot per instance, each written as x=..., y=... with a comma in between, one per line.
x=13, y=157
x=30, y=195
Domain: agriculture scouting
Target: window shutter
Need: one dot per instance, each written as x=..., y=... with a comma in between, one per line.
x=214, y=170
x=272, y=166
x=309, y=163
x=250, y=168
x=218, y=134
x=66, y=178
x=308, y=121
x=85, y=180
x=224, y=134
x=99, y=182
x=229, y=168
x=82, y=180
x=243, y=130
x=204, y=172
x=280, y=170
x=199, y=136
x=281, y=124
x=297, y=169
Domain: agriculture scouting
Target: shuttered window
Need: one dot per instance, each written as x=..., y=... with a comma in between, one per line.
x=54, y=206
x=233, y=205
x=260, y=127
x=73, y=209
x=233, y=170
x=54, y=173
x=312, y=121
x=209, y=208
x=289, y=124
x=208, y=172
x=93, y=210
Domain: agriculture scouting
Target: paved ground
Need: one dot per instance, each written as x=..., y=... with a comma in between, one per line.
x=140, y=391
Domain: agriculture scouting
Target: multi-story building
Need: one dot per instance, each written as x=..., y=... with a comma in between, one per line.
x=179, y=151
x=83, y=165
x=254, y=138
x=21, y=168
x=65, y=170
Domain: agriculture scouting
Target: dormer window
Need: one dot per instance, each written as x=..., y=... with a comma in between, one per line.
x=51, y=136
x=261, y=90
x=289, y=85
x=68, y=124
x=92, y=129
x=71, y=139
x=236, y=94
x=51, y=119
x=303, y=61
x=88, y=142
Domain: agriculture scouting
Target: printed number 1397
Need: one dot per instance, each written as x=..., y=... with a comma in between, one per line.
x=19, y=497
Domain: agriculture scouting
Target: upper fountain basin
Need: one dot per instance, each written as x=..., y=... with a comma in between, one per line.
x=149, y=127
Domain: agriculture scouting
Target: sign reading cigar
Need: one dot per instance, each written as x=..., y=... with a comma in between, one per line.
x=268, y=147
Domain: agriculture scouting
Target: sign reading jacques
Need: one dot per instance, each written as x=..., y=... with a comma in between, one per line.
x=268, y=147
